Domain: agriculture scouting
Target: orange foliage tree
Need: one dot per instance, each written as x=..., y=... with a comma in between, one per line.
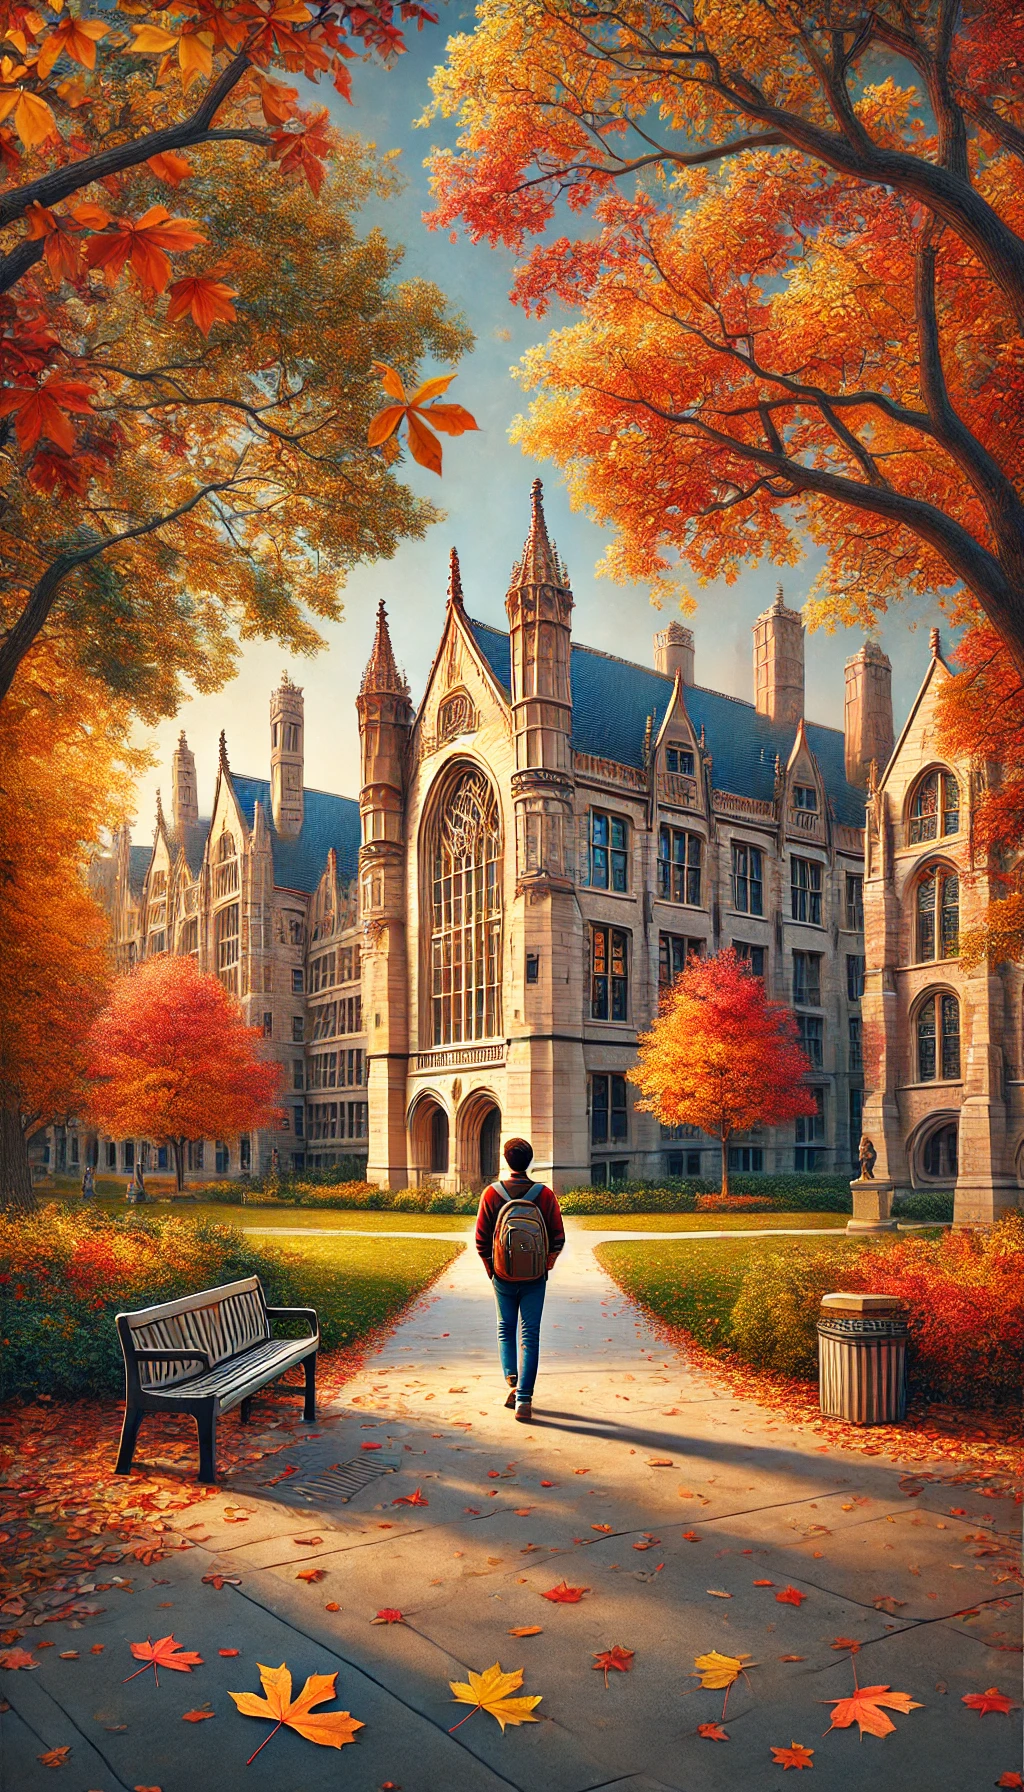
x=171, y=1059
x=186, y=387
x=721, y=1056
x=800, y=281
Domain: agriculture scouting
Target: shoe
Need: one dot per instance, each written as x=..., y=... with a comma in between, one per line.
x=524, y=1412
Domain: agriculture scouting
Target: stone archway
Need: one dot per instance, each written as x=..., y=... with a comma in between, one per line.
x=429, y=1139
x=479, y=1139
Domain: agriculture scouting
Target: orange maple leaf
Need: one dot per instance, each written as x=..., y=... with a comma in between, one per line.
x=565, y=1595
x=169, y=166
x=713, y=1732
x=76, y=38
x=164, y=1653
x=864, y=1708
x=990, y=1700
x=55, y=1757
x=40, y=411
x=330, y=1728
x=206, y=300
x=196, y=1717
x=793, y=1756
x=58, y=232
x=18, y=1658
x=411, y=1499
x=616, y=1657
x=312, y=1575
x=415, y=407
x=790, y=1596
x=145, y=245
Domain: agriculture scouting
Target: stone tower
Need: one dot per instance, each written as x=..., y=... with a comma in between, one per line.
x=184, y=788
x=546, y=1080
x=867, y=722
x=286, y=729
x=779, y=664
x=385, y=722
x=673, y=652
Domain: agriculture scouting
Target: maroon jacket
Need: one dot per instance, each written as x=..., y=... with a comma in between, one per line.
x=491, y=1204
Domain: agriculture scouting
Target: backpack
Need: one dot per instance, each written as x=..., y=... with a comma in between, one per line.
x=520, y=1246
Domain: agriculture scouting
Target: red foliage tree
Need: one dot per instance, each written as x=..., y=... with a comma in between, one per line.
x=721, y=1056
x=172, y=1059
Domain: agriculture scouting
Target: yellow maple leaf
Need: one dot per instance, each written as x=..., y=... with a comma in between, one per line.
x=717, y=1671
x=489, y=1692
x=331, y=1728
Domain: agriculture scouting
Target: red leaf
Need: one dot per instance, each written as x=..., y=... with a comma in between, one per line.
x=55, y=1757
x=196, y=1717
x=565, y=1595
x=790, y=1596
x=18, y=1658
x=712, y=1732
x=845, y=1642
x=793, y=1756
x=388, y=1615
x=616, y=1657
x=764, y=1583
x=990, y=1700
x=411, y=1499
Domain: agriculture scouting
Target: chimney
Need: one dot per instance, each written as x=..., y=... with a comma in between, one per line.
x=184, y=789
x=286, y=724
x=868, y=718
x=779, y=664
x=673, y=651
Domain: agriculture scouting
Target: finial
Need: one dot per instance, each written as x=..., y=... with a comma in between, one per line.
x=182, y=742
x=159, y=810
x=540, y=563
x=702, y=745
x=454, y=580
x=223, y=751
x=933, y=643
x=381, y=672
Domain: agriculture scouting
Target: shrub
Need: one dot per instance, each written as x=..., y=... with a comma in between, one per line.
x=735, y=1204
x=773, y=1320
x=924, y=1204
x=785, y=1193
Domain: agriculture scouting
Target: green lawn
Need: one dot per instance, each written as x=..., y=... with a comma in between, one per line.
x=359, y=1283
x=704, y=1222
x=693, y=1285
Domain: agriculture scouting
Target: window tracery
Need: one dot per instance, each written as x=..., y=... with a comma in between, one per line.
x=465, y=941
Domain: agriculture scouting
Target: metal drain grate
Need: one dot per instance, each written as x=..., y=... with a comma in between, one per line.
x=339, y=1485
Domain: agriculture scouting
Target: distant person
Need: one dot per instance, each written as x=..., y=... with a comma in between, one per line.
x=136, y=1190
x=88, y=1184
x=519, y=1234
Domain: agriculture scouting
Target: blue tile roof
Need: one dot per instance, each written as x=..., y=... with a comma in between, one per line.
x=328, y=821
x=612, y=699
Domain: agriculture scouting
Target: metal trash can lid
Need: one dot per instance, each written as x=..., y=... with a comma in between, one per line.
x=861, y=1303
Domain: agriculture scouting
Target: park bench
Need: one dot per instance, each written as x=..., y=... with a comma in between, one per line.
x=205, y=1354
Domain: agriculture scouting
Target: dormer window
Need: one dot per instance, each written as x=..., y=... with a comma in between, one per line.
x=805, y=797
x=679, y=759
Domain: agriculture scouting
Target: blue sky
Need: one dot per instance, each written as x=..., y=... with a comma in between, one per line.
x=485, y=492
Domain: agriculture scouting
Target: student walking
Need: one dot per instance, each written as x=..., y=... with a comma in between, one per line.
x=519, y=1234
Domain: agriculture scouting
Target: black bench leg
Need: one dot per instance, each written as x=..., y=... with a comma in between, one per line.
x=206, y=1425
x=133, y=1417
x=309, y=1404
x=244, y=1410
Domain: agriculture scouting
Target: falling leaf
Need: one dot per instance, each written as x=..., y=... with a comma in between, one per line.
x=616, y=1657
x=197, y=1716
x=790, y=1596
x=564, y=1595
x=793, y=1756
x=388, y=1616
x=164, y=1653
x=417, y=410
x=312, y=1575
x=527, y=1630
x=411, y=1499
x=330, y=1728
x=864, y=1708
x=990, y=1700
x=489, y=1692
x=845, y=1642
x=55, y=1757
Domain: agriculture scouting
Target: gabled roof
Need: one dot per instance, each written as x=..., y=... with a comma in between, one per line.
x=139, y=858
x=192, y=840
x=328, y=821
x=612, y=699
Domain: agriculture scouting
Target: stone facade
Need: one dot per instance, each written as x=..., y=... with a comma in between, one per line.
x=945, y=1108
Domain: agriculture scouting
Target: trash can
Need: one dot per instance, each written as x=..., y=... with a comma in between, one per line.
x=862, y=1358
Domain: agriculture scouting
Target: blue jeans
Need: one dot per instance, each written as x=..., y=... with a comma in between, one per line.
x=520, y=1305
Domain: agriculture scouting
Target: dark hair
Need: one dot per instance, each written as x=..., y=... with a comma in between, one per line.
x=518, y=1154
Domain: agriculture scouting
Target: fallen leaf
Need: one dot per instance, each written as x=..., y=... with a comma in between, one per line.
x=549, y=1483
x=227, y=1651
x=55, y=1757
x=489, y=1691
x=332, y=1606
x=790, y=1596
x=660, y=1462
x=527, y=1630
x=522, y=1511
x=764, y=1583
x=330, y=1728
x=1011, y=1782
x=388, y=1616
x=308, y=1542
x=18, y=1658
x=222, y=1580
x=990, y=1700
x=97, y=1648
x=864, y=1708
x=716, y=1671
x=164, y=1653
x=564, y=1595
x=69, y=1655
x=691, y=1537
x=793, y=1756
x=792, y=1658
x=602, y=1527
x=197, y=1716
x=845, y=1642
x=886, y=1603
x=363, y=1446
x=311, y=1575
x=616, y=1657
x=713, y=1732
x=411, y=1499
x=718, y=1593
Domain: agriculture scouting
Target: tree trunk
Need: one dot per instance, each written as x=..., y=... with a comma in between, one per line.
x=725, y=1164
x=16, y=1192
x=178, y=1147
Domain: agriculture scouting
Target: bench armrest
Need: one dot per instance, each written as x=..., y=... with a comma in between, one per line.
x=308, y=1313
x=172, y=1356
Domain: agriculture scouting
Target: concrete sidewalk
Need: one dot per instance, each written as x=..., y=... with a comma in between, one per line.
x=665, y=1497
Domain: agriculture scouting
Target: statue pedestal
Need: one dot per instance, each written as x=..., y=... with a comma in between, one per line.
x=872, y=1206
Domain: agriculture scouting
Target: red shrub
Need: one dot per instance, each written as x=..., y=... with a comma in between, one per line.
x=734, y=1204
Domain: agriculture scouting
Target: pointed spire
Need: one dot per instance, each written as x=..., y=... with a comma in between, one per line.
x=934, y=643
x=455, y=597
x=540, y=563
x=382, y=672
x=223, y=752
x=161, y=825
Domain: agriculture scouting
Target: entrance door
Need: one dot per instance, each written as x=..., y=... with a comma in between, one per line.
x=438, y=1142
x=490, y=1142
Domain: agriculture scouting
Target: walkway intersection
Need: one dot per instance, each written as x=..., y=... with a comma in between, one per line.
x=684, y=1513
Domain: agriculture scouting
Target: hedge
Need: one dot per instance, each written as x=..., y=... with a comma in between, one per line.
x=786, y=1194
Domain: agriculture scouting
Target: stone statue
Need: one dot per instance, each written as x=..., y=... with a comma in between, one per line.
x=868, y=1160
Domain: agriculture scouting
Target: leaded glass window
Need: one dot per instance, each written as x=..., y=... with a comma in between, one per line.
x=938, y=914
x=465, y=940
x=938, y=1039
x=935, y=810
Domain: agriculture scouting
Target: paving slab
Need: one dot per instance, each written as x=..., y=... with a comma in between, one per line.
x=640, y=1480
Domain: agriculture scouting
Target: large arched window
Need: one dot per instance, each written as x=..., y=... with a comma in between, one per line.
x=935, y=807
x=938, y=914
x=465, y=920
x=938, y=1039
